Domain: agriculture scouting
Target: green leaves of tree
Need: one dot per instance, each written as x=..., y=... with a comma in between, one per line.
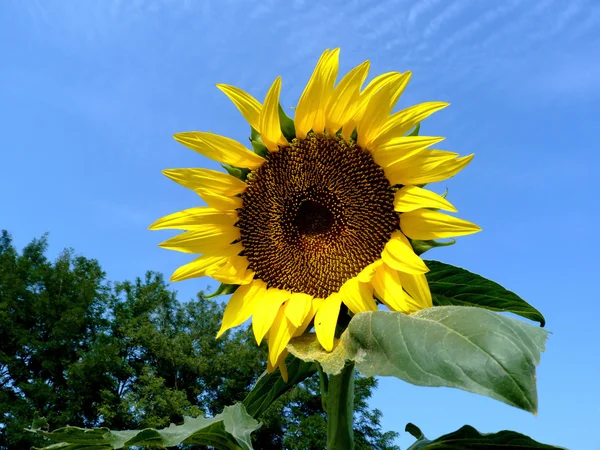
x=452, y=285
x=229, y=430
x=468, y=438
x=463, y=347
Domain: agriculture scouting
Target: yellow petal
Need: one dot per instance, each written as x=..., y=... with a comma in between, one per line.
x=367, y=274
x=363, y=100
x=270, y=129
x=388, y=289
x=209, y=180
x=439, y=172
x=220, y=148
x=417, y=165
x=235, y=271
x=220, y=202
x=195, y=219
x=314, y=307
x=399, y=255
x=357, y=296
x=424, y=224
x=248, y=105
x=198, y=267
x=310, y=112
x=377, y=111
x=266, y=310
x=298, y=307
x=280, y=334
x=280, y=364
x=344, y=100
x=399, y=149
x=418, y=288
x=402, y=122
x=423, y=160
x=410, y=198
x=212, y=238
x=374, y=86
x=241, y=305
x=326, y=320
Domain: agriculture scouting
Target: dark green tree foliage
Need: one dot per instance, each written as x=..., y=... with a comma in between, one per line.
x=49, y=315
x=83, y=352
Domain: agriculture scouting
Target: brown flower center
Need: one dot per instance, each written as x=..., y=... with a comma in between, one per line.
x=315, y=214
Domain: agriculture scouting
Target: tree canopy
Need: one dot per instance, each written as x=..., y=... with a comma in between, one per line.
x=83, y=351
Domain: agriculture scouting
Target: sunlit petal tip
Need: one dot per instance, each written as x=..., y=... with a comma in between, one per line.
x=409, y=198
x=196, y=268
x=298, y=308
x=279, y=335
x=358, y=296
x=367, y=274
x=220, y=148
x=244, y=102
x=283, y=367
x=269, y=124
x=399, y=255
x=326, y=321
x=418, y=289
x=388, y=288
x=266, y=311
x=425, y=224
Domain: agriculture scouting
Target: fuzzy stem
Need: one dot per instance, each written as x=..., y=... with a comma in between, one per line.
x=339, y=401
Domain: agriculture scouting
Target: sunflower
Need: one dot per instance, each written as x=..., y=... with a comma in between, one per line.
x=325, y=212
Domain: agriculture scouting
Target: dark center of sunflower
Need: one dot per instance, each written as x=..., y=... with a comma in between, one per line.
x=313, y=218
x=315, y=214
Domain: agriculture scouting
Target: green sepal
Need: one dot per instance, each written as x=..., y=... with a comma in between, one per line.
x=223, y=289
x=260, y=148
x=257, y=144
x=421, y=247
x=287, y=125
x=354, y=135
x=241, y=173
x=415, y=131
x=254, y=135
x=413, y=430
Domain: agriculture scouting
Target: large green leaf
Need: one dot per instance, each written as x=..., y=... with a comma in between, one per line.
x=455, y=286
x=270, y=386
x=468, y=438
x=462, y=347
x=229, y=430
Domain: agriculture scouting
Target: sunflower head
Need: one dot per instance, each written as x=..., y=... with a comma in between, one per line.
x=325, y=214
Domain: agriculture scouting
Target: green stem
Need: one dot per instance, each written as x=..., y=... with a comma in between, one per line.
x=340, y=409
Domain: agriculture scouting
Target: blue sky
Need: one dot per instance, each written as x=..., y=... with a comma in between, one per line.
x=91, y=92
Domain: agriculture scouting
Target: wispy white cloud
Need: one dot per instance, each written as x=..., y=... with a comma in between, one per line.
x=486, y=22
x=452, y=10
x=589, y=22
x=418, y=10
